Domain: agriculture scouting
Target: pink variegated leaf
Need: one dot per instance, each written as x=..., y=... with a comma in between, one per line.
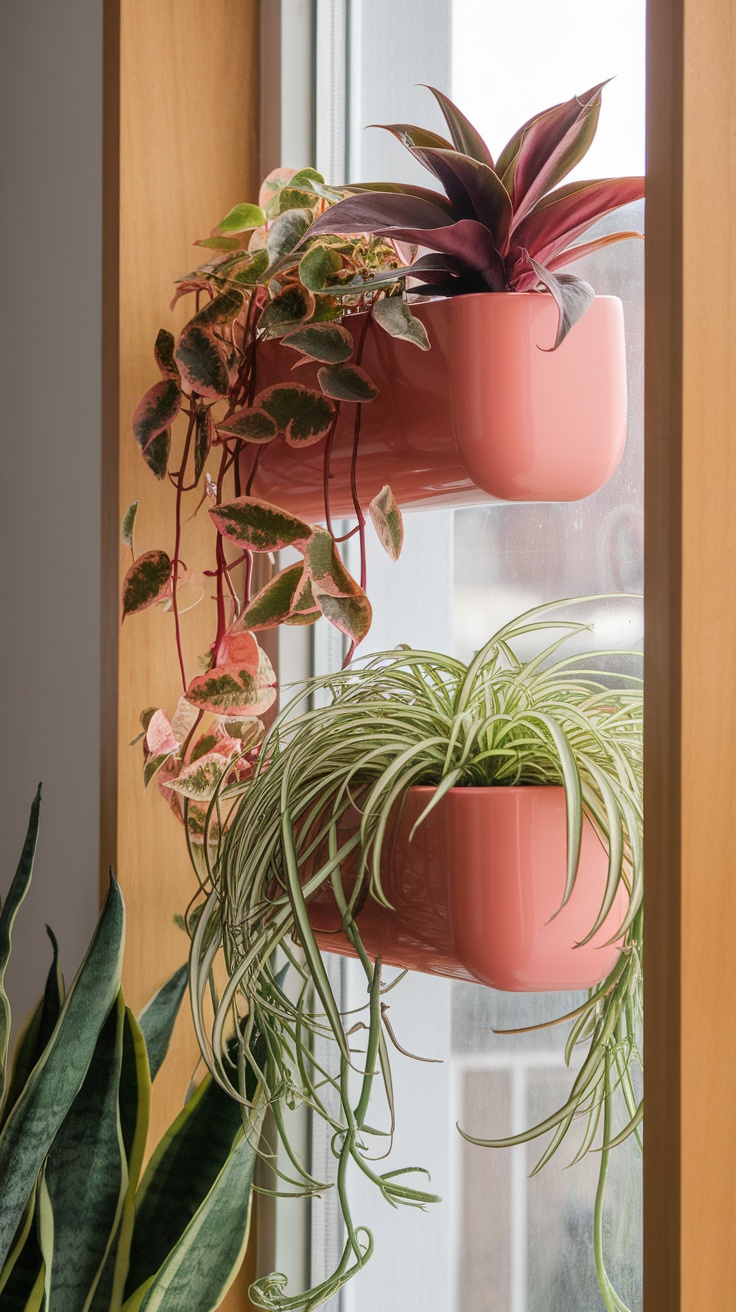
x=128, y=524
x=200, y=780
x=184, y=720
x=304, y=608
x=164, y=354
x=387, y=521
x=223, y=309
x=204, y=434
x=572, y=295
x=568, y=212
x=465, y=137
x=287, y=311
x=268, y=196
x=152, y=424
x=202, y=361
x=154, y=765
x=325, y=568
x=160, y=735
x=579, y=252
x=346, y=382
x=147, y=581
x=351, y=615
x=250, y=425
x=239, y=648
x=186, y=286
x=249, y=730
x=327, y=342
x=230, y=690
x=258, y=525
x=274, y=602
x=303, y=415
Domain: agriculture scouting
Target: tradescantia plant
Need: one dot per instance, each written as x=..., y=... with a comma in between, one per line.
x=81, y=1227
x=498, y=225
x=400, y=719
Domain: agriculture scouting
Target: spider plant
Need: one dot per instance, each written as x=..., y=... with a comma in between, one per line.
x=497, y=225
x=398, y=719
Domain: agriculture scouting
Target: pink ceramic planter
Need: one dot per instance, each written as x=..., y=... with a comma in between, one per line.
x=487, y=413
x=474, y=894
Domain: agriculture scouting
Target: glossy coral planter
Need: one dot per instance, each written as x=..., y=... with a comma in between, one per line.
x=474, y=893
x=488, y=413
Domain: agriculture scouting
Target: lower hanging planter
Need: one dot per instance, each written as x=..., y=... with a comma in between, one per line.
x=490, y=412
x=476, y=894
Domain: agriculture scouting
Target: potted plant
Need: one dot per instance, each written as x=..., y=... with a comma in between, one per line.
x=518, y=769
x=81, y=1223
x=501, y=408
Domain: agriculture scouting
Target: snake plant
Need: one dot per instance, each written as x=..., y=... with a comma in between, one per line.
x=82, y=1227
x=405, y=718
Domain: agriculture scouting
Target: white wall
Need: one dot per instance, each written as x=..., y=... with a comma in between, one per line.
x=50, y=236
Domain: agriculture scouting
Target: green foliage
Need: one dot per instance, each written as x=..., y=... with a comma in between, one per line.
x=405, y=718
x=146, y=582
x=79, y=1229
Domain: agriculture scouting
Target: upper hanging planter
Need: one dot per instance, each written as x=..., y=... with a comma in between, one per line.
x=489, y=412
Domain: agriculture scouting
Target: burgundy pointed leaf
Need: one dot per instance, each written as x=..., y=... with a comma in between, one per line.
x=258, y=525
x=551, y=145
x=287, y=310
x=404, y=189
x=372, y=210
x=468, y=241
x=568, y=212
x=303, y=415
x=588, y=248
x=410, y=135
x=387, y=522
x=202, y=362
x=164, y=354
x=204, y=434
x=346, y=382
x=475, y=190
x=329, y=343
x=274, y=602
x=146, y=582
x=572, y=295
x=152, y=424
x=250, y=425
x=465, y=137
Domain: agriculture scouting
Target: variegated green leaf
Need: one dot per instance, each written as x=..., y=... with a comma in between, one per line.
x=303, y=415
x=24, y=1266
x=157, y=1019
x=268, y=196
x=351, y=615
x=325, y=568
x=36, y=1032
x=230, y=690
x=295, y=198
x=387, y=522
x=85, y=1178
x=152, y=423
x=146, y=581
x=318, y=266
x=286, y=232
x=327, y=342
x=58, y=1076
x=287, y=310
x=241, y=218
x=250, y=425
x=346, y=382
x=393, y=315
x=258, y=525
x=223, y=309
x=274, y=602
x=204, y=432
x=200, y=779
x=202, y=361
x=126, y=529
x=8, y=912
x=218, y=243
x=164, y=354
x=248, y=272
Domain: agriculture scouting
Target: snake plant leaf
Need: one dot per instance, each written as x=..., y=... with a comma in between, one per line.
x=24, y=1264
x=241, y=218
x=36, y=1033
x=85, y=1178
x=204, y=433
x=163, y=352
x=274, y=602
x=287, y=310
x=126, y=528
x=387, y=521
x=476, y=192
x=152, y=422
x=157, y=1019
x=465, y=138
x=572, y=296
x=396, y=319
x=286, y=232
x=317, y=268
x=346, y=382
x=249, y=425
x=202, y=363
x=258, y=525
x=380, y=209
x=330, y=343
x=58, y=1076
x=134, y=1104
x=303, y=415
x=8, y=912
x=146, y=582
x=551, y=145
